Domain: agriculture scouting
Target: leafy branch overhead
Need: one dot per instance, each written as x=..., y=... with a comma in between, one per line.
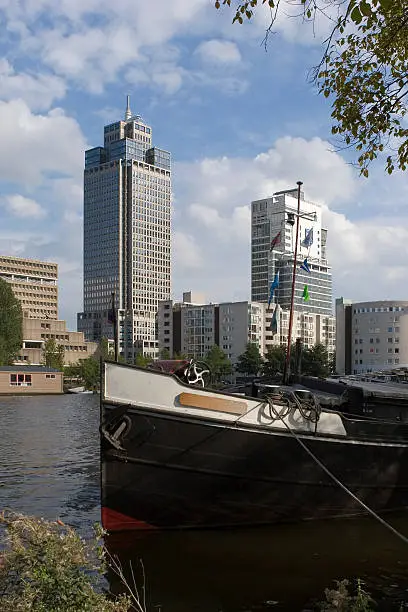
x=363, y=70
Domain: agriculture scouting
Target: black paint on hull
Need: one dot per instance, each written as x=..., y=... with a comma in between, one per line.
x=189, y=473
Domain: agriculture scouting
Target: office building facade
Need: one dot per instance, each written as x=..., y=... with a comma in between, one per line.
x=127, y=224
x=272, y=251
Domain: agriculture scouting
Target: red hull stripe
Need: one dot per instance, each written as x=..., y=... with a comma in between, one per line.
x=116, y=521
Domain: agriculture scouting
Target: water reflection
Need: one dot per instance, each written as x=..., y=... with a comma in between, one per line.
x=286, y=567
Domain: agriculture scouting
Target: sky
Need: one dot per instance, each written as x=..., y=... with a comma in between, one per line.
x=241, y=122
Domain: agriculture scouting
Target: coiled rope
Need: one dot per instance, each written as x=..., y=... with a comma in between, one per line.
x=378, y=518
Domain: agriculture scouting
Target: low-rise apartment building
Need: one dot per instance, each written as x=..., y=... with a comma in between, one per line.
x=192, y=328
x=371, y=336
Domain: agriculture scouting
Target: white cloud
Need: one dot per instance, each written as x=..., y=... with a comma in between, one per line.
x=23, y=207
x=186, y=253
x=213, y=196
x=35, y=145
x=219, y=51
x=38, y=91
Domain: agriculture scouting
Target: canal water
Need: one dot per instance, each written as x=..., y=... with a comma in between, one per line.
x=49, y=467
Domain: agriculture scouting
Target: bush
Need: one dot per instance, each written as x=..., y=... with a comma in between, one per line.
x=47, y=567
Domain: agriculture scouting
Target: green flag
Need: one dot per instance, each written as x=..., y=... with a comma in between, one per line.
x=305, y=294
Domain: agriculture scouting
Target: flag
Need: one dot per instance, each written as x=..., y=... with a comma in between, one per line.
x=274, y=322
x=112, y=311
x=305, y=266
x=275, y=241
x=305, y=294
x=274, y=285
x=308, y=241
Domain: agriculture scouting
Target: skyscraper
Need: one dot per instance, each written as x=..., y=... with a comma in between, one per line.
x=127, y=216
x=272, y=251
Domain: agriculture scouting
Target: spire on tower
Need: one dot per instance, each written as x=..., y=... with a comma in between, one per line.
x=128, y=113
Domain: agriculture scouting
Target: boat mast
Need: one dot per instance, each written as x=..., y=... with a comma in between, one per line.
x=286, y=370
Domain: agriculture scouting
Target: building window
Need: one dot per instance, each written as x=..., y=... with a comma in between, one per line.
x=389, y=339
x=20, y=380
x=50, y=376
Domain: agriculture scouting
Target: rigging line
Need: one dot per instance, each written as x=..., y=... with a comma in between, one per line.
x=394, y=531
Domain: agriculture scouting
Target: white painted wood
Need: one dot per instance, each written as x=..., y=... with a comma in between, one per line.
x=156, y=391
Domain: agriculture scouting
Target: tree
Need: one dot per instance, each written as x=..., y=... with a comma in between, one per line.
x=142, y=360
x=103, y=349
x=315, y=361
x=53, y=354
x=218, y=363
x=363, y=68
x=90, y=372
x=250, y=361
x=274, y=361
x=11, y=324
x=164, y=353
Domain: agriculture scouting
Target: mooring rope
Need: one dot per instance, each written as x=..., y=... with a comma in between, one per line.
x=378, y=518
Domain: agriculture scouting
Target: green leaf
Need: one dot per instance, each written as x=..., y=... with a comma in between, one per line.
x=356, y=15
x=365, y=9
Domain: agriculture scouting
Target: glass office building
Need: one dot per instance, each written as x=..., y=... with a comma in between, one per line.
x=127, y=219
x=269, y=218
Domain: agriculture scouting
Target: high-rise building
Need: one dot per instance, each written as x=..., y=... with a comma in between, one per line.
x=127, y=210
x=272, y=251
x=34, y=284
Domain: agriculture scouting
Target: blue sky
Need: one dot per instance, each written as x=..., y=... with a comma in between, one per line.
x=241, y=122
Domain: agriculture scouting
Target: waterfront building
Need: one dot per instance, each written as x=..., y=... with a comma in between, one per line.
x=371, y=336
x=30, y=380
x=127, y=217
x=272, y=251
x=36, y=332
x=309, y=327
x=34, y=284
x=192, y=326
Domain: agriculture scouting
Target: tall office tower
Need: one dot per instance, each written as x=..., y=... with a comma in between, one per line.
x=127, y=201
x=272, y=251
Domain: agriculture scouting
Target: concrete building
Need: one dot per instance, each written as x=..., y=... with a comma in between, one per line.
x=127, y=216
x=37, y=331
x=192, y=328
x=30, y=380
x=310, y=327
x=34, y=284
x=269, y=228
x=371, y=336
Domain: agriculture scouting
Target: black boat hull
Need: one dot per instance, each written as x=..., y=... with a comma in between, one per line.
x=177, y=472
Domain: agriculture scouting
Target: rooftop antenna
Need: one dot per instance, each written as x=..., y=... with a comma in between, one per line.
x=128, y=112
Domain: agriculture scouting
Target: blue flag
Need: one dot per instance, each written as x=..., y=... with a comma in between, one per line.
x=308, y=241
x=305, y=266
x=274, y=285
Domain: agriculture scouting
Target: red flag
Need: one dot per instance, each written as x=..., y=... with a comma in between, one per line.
x=275, y=241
